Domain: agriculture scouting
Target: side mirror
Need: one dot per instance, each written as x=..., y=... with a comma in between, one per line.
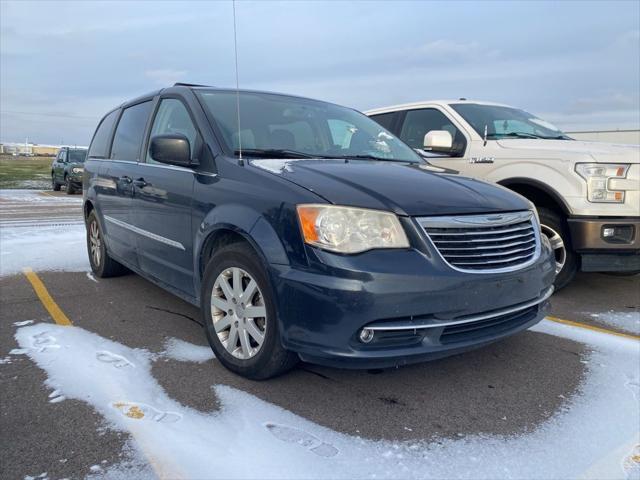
x=438, y=141
x=172, y=148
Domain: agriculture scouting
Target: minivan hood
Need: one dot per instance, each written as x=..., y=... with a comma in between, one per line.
x=403, y=188
x=598, y=151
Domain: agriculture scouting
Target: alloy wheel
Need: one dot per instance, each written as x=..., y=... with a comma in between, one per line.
x=95, y=243
x=239, y=313
x=557, y=245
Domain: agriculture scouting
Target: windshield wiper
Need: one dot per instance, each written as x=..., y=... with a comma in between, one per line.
x=371, y=157
x=276, y=153
x=514, y=134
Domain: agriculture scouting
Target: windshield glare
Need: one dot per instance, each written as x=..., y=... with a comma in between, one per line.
x=279, y=122
x=506, y=122
x=77, y=156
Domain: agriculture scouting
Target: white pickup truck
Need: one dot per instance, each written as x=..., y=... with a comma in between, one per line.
x=587, y=193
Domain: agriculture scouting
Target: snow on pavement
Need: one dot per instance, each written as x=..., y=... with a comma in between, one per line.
x=626, y=321
x=593, y=436
x=177, y=349
x=54, y=247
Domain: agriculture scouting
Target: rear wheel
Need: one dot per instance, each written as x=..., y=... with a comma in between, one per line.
x=54, y=185
x=555, y=228
x=101, y=263
x=239, y=315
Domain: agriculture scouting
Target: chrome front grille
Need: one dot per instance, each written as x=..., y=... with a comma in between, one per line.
x=485, y=243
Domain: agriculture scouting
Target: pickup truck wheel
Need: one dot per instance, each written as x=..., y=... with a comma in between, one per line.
x=55, y=186
x=239, y=316
x=101, y=263
x=555, y=228
x=70, y=189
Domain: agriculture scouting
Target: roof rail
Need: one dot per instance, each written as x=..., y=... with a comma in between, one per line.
x=181, y=84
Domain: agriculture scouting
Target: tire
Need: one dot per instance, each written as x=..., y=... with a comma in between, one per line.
x=101, y=263
x=55, y=186
x=258, y=361
x=70, y=188
x=555, y=228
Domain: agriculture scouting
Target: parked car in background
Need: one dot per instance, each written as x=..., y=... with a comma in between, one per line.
x=67, y=169
x=311, y=232
x=587, y=193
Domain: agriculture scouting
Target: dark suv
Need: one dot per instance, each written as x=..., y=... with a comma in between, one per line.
x=304, y=229
x=67, y=169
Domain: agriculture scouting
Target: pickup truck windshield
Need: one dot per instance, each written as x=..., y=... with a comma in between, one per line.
x=506, y=122
x=275, y=125
x=77, y=156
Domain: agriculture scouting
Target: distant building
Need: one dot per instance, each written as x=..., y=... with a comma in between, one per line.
x=610, y=136
x=31, y=149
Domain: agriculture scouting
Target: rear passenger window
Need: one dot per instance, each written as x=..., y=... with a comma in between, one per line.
x=100, y=142
x=173, y=117
x=128, y=137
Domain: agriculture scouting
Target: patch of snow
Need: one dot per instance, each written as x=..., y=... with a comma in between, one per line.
x=274, y=165
x=44, y=248
x=91, y=277
x=18, y=351
x=22, y=324
x=627, y=321
x=37, y=197
x=186, y=352
x=5, y=361
x=582, y=440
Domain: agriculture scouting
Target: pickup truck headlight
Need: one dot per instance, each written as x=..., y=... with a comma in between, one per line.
x=77, y=170
x=597, y=176
x=350, y=230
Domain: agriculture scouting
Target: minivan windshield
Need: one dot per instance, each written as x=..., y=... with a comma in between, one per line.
x=280, y=126
x=77, y=156
x=506, y=122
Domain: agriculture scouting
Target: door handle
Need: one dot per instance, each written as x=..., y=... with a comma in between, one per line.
x=125, y=179
x=140, y=183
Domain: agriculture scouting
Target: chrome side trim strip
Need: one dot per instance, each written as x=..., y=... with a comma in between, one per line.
x=476, y=318
x=145, y=233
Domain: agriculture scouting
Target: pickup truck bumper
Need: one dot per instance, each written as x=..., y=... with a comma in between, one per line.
x=607, y=244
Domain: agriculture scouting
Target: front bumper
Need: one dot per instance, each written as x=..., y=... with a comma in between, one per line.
x=619, y=252
x=419, y=307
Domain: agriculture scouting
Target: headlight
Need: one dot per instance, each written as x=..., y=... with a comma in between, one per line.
x=597, y=176
x=350, y=230
x=77, y=170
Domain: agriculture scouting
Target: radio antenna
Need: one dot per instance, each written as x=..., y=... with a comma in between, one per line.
x=235, y=49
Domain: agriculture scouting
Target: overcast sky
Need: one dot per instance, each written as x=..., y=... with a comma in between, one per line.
x=64, y=64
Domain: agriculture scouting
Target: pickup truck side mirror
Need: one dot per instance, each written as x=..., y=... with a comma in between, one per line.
x=173, y=149
x=438, y=141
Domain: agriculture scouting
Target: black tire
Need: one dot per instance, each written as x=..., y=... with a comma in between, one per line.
x=551, y=221
x=104, y=266
x=272, y=359
x=70, y=188
x=54, y=185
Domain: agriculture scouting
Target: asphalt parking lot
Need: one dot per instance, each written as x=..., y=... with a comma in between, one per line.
x=507, y=389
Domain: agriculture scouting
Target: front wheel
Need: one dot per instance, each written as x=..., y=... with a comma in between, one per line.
x=239, y=315
x=555, y=228
x=70, y=188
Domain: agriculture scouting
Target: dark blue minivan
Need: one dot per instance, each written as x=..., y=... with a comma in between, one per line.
x=305, y=230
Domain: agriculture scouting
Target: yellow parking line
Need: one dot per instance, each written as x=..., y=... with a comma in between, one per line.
x=594, y=328
x=43, y=294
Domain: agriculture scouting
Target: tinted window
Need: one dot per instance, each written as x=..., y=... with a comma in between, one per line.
x=385, y=119
x=100, y=142
x=172, y=117
x=418, y=123
x=128, y=137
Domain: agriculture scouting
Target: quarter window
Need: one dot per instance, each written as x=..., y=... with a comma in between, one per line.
x=100, y=142
x=172, y=117
x=385, y=119
x=418, y=123
x=128, y=137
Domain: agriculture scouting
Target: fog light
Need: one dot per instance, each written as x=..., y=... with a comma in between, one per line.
x=608, y=232
x=366, y=335
x=618, y=233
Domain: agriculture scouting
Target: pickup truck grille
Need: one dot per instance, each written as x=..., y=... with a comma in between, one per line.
x=485, y=243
